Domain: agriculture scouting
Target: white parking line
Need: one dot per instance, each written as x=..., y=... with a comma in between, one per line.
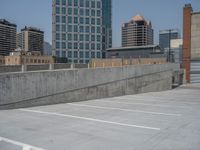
x=127, y=110
x=23, y=145
x=144, y=104
x=90, y=119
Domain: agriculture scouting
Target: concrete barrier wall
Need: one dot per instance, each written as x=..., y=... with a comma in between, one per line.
x=57, y=86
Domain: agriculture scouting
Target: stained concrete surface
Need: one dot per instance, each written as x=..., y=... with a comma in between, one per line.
x=167, y=120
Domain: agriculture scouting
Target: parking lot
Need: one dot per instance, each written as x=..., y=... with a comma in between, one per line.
x=168, y=120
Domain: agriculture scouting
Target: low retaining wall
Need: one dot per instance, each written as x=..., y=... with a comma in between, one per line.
x=60, y=86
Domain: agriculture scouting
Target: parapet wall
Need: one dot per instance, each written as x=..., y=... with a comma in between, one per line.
x=60, y=86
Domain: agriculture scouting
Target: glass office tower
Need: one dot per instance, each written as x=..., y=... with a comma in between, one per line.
x=81, y=29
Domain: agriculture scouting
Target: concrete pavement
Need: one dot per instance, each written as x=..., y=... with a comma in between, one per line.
x=167, y=120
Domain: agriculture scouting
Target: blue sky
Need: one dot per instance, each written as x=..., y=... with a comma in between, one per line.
x=164, y=14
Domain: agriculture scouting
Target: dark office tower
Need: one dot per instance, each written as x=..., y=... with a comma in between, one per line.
x=137, y=32
x=165, y=36
x=81, y=29
x=30, y=39
x=106, y=25
x=7, y=37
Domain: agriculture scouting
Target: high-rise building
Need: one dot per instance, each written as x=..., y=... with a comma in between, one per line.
x=176, y=46
x=165, y=37
x=137, y=32
x=82, y=29
x=30, y=39
x=191, y=44
x=7, y=37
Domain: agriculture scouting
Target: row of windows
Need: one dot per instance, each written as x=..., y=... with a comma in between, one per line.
x=76, y=28
x=78, y=61
x=77, y=11
x=76, y=54
x=80, y=3
x=76, y=45
x=77, y=37
x=77, y=20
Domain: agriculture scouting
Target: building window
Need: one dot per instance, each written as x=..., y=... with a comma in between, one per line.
x=93, y=21
x=70, y=54
x=75, y=20
x=75, y=37
x=82, y=12
x=69, y=19
x=81, y=54
x=63, y=28
x=98, y=13
x=81, y=29
x=69, y=28
x=57, y=45
x=75, y=28
x=63, y=37
x=69, y=45
x=87, y=3
x=93, y=29
x=69, y=11
x=93, y=4
x=87, y=21
x=75, y=54
x=64, y=2
x=57, y=36
x=75, y=45
x=63, y=53
x=63, y=45
x=87, y=46
x=81, y=20
x=81, y=3
x=87, y=37
x=81, y=37
x=98, y=5
x=93, y=46
x=92, y=37
x=98, y=30
x=75, y=11
x=87, y=29
x=75, y=2
x=87, y=12
x=57, y=18
x=63, y=10
x=98, y=21
x=81, y=46
x=93, y=54
x=57, y=10
x=98, y=38
x=63, y=19
x=69, y=2
x=93, y=13
x=87, y=54
x=98, y=55
x=57, y=2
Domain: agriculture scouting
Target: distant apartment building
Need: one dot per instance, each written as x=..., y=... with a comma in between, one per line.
x=149, y=51
x=191, y=44
x=137, y=32
x=177, y=50
x=30, y=39
x=7, y=37
x=82, y=29
x=24, y=57
x=165, y=37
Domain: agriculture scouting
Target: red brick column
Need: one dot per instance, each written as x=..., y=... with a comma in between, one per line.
x=187, y=10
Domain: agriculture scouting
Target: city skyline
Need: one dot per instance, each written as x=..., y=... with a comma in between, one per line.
x=150, y=10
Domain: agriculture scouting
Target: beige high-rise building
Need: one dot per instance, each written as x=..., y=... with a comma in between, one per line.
x=7, y=37
x=30, y=39
x=137, y=32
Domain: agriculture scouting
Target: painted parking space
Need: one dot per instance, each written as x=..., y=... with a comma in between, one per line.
x=159, y=120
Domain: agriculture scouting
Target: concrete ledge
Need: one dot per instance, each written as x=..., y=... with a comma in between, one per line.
x=51, y=87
